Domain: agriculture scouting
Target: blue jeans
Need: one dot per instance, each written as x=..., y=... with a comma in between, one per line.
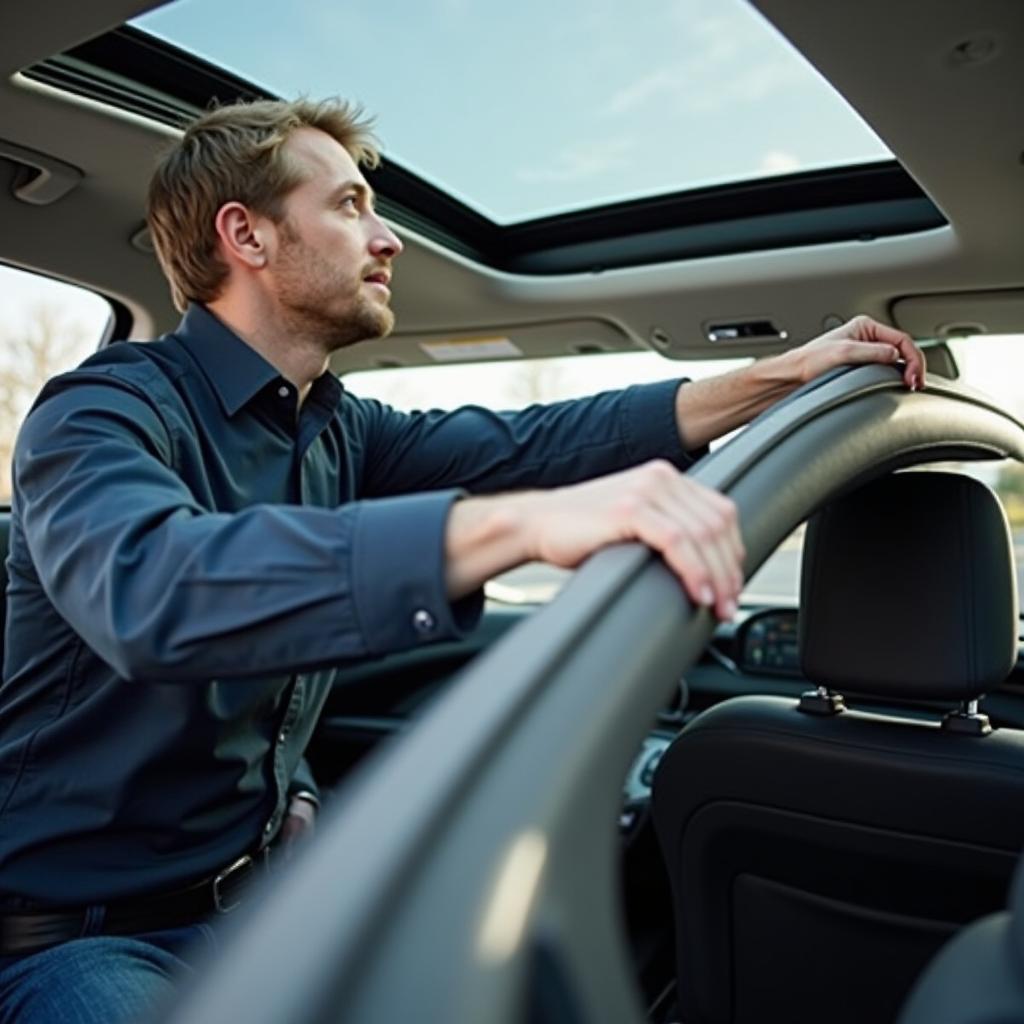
x=103, y=979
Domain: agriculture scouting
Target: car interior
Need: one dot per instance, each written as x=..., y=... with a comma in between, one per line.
x=783, y=817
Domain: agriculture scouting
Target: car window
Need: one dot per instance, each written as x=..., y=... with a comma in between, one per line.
x=47, y=327
x=987, y=362
x=509, y=384
x=991, y=363
x=602, y=87
x=514, y=384
x=777, y=582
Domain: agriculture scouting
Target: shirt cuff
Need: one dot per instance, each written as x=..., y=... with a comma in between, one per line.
x=649, y=426
x=303, y=784
x=399, y=583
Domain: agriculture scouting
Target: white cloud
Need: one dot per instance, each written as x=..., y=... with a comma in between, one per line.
x=702, y=86
x=722, y=63
x=580, y=162
x=665, y=82
x=776, y=161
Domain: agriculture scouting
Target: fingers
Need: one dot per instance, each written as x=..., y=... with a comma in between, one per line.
x=865, y=329
x=696, y=530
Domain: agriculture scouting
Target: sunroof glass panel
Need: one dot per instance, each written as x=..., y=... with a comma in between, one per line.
x=528, y=109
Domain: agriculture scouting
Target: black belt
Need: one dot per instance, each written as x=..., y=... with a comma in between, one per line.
x=30, y=930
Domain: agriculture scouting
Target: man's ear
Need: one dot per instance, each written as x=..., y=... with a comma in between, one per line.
x=242, y=235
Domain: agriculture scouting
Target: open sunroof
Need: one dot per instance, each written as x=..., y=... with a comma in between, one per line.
x=535, y=108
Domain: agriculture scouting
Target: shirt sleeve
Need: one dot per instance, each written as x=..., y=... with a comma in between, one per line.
x=541, y=446
x=162, y=588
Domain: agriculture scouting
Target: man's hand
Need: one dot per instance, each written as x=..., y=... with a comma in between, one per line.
x=860, y=340
x=694, y=528
x=707, y=409
x=299, y=823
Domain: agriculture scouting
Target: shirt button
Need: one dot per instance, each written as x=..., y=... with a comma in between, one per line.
x=282, y=736
x=283, y=391
x=423, y=621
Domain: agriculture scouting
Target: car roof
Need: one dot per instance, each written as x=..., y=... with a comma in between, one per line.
x=939, y=85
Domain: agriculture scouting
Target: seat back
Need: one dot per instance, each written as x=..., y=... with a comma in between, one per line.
x=978, y=977
x=817, y=860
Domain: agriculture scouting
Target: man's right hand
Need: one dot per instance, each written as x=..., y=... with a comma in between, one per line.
x=695, y=529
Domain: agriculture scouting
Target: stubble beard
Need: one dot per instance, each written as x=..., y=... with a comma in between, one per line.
x=308, y=294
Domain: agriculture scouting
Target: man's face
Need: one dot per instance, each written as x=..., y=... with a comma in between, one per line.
x=331, y=266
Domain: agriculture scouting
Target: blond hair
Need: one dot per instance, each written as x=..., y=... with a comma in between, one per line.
x=235, y=153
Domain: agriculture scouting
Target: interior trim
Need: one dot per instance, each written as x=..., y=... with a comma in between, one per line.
x=132, y=70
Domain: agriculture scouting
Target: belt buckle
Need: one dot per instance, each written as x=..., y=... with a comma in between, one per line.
x=223, y=903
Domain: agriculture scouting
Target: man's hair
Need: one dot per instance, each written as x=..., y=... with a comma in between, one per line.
x=235, y=153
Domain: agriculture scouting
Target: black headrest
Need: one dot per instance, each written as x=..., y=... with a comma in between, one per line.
x=909, y=590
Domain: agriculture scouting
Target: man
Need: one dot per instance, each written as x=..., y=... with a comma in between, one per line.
x=206, y=526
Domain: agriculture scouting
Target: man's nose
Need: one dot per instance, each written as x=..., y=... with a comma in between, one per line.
x=384, y=242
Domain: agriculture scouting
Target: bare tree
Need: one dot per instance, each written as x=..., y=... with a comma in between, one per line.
x=507, y=385
x=48, y=342
x=535, y=380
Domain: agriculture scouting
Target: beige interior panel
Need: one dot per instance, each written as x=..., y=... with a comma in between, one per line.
x=963, y=313
x=488, y=343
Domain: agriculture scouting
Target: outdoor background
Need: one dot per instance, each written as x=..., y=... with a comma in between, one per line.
x=49, y=327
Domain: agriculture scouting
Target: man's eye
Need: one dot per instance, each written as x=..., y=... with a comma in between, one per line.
x=349, y=202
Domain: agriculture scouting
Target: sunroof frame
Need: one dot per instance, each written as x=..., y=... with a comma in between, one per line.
x=130, y=69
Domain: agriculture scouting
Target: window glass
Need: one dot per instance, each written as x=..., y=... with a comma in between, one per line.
x=994, y=364
x=47, y=327
x=777, y=582
x=991, y=363
x=532, y=108
x=513, y=385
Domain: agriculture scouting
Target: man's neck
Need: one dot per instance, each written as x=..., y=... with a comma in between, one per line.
x=299, y=359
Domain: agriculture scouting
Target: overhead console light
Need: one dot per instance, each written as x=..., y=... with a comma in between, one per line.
x=744, y=330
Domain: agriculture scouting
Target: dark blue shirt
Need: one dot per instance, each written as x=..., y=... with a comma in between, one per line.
x=193, y=560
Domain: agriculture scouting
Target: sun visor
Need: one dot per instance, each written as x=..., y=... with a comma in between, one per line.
x=959, y=314
x=488, y=343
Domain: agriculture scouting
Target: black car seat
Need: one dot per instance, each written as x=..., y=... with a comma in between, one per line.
x=818, y=854
x=978, y=977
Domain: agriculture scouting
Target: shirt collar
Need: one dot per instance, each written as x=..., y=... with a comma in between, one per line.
x=235, y=370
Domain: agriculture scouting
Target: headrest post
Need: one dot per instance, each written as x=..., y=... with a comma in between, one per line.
x=967, y=720
x=821, y=702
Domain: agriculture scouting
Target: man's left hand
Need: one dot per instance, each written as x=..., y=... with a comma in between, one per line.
x=709, y=408
x=860, y=340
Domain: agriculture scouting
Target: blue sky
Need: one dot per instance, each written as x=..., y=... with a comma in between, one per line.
x=533, y=107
